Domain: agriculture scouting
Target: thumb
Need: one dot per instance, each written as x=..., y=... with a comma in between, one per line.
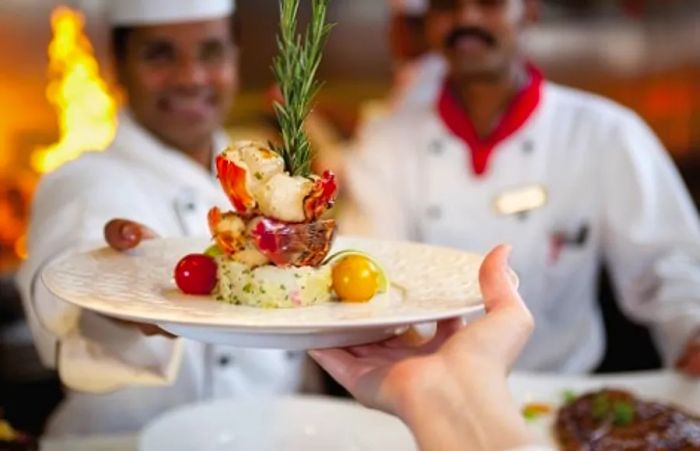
x=497, y=287
x=508, y=323
x=122, y=234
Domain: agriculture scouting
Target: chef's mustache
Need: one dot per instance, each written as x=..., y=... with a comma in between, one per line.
x=469, y=32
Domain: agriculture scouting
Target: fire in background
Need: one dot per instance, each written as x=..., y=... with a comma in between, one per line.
x=85, y=106
x=86, y=111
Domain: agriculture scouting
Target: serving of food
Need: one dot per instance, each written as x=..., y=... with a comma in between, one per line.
x=609, y=420
x=636, y=412
x=271, y=250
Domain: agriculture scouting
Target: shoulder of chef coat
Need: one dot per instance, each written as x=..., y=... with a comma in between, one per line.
x=618, y=133
x=78, y=176
x=99, y=180
x=395, y=133
x=385, y=145
x=381, y=157
x=596, y=134
x=624, y=155
x=71, y=204
x=575, y=108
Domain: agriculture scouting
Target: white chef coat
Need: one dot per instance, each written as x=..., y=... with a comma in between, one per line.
x=419, y=82
x=117, y=378
x=603, y=171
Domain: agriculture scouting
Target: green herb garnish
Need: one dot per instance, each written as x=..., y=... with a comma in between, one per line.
x=530, y=416
x=214, y=251
x=623, y=413
x=569, y=396
x=600, y=406
x=248, y=288
x=295, y=69
x=534, y=411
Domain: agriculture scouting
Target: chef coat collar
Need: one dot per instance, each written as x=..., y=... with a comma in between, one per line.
x=457, y=120
x=135, y=143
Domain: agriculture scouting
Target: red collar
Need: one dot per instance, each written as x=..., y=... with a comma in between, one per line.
x=515, y=116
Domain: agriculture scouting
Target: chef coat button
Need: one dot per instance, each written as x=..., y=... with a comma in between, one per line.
x=436, y=148
x=291, y=355
x=528, y=147
x=434, y=212
x=191, y=206
x=225, y=360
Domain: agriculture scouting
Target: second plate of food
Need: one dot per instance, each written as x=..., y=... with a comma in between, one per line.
x=645, y=410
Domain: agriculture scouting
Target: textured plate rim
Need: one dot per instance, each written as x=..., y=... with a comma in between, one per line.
x=300, y=328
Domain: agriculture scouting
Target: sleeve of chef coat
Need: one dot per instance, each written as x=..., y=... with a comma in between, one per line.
x=378, y=204
x=90, y=352
x=651, y=236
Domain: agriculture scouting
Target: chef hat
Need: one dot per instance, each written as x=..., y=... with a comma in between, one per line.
x=409, y=7
x=157, y=12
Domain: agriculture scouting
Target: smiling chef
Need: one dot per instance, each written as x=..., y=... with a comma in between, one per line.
x=571, y=180
x=176, y=60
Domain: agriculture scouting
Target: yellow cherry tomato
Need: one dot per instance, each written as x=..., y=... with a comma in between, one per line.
x=356, y=278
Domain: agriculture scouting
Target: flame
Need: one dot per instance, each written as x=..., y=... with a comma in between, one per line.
x=86, y=109
x=20, y=247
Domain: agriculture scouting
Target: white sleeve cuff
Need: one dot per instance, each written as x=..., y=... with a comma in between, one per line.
x=103, y=356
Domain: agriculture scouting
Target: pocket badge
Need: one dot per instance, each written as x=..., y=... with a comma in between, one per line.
x=521, y=200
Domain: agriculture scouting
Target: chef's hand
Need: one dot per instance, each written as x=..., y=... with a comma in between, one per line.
x=122, y=235
x=451, y=391
x=689, y=363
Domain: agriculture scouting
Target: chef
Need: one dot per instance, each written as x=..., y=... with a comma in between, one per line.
x=418, y=63
x=571, y=180
x=176, y=61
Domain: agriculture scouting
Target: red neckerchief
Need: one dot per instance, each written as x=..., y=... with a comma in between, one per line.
x=517, y=113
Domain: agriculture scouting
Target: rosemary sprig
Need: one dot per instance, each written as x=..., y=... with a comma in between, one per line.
x=295, y=68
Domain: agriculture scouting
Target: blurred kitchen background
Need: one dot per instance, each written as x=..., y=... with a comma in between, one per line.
x=642, y=53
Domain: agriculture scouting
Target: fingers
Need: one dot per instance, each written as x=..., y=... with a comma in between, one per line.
x=690, y=367
x=690, y=362
x=445, y=330
x=149, y=330
x=411, y=338
x=361, y=377
x=122, y=234
x=339, y=363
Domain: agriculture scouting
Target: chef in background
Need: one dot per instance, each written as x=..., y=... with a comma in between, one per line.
x=570, y=179
x=177, y=63
x=419, y=66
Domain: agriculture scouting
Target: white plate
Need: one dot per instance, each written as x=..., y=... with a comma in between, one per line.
x=428, y=284
x=660, y=386
x=289, y=424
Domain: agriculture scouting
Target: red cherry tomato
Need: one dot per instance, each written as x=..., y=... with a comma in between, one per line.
x=196, y=274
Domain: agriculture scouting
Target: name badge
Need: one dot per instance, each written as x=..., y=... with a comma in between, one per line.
x=521, y=200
